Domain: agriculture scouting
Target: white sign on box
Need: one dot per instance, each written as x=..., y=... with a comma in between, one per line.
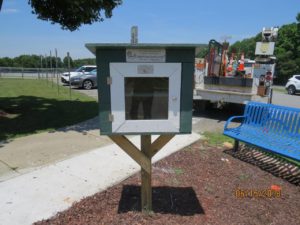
x=145, y=55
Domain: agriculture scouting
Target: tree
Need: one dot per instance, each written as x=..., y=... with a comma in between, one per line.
x=66, y=62
x=51, y=61
x=30, y=61
x=202, y=53
x=246, y=46
x=71, y=14
x=81, y=62
x=287, y=52
x=6, y=62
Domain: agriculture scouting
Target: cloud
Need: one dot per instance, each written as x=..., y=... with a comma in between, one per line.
x=9, y=11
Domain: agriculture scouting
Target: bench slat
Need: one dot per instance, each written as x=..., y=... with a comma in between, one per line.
x=285, y=146
x=296, y=123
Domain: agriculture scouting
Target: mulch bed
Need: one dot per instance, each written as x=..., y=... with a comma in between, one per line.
x=200, y=184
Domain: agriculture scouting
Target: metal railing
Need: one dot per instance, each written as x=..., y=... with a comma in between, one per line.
x=32, y=73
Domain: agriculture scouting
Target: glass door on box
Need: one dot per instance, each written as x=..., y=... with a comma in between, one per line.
x=145, y=97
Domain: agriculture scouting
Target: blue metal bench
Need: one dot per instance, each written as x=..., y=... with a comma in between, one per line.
x=271, y=127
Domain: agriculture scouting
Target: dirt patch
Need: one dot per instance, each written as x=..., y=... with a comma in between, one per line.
x=201, y=184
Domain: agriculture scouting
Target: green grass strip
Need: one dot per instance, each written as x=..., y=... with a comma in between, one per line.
x=29, y=106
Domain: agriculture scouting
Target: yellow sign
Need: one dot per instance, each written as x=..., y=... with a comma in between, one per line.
x=264, y=48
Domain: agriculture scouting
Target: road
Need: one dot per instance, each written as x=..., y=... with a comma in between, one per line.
x=284, y=99
x=279, y=97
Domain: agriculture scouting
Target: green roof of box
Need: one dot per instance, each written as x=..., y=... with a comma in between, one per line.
x=93, y=46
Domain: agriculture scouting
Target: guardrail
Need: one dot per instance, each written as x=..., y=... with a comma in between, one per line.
x=33, y=73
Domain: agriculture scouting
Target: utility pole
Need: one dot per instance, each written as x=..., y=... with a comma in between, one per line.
x=46, y=64
x=68, y=54
x=41, y=65
x=56, y=73
x=51, y=71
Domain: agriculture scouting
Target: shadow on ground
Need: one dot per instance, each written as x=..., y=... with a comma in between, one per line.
x=30, y=114
x=220, y=114
x=277, y=166
x=166, y=200
x=83, y=127
x=2, y=143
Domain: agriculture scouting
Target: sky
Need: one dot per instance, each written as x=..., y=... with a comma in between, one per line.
x=158, y=21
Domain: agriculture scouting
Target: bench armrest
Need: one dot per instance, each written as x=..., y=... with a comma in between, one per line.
x=231, y=119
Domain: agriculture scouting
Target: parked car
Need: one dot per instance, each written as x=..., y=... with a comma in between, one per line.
x=293, y=85
x=86, y=81
x=80, y=71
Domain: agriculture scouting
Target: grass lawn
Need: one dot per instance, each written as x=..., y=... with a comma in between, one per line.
x=278, y=89
x=30, y=106
x=217, y=139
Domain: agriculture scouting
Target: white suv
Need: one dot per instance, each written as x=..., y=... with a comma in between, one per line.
x=80, y=71
x=293, y=85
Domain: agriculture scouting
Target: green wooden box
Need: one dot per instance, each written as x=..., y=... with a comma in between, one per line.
x=145, y=88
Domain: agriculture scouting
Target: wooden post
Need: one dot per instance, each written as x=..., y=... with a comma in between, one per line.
x=132, y=151
x=143, y=158
x=146, y=187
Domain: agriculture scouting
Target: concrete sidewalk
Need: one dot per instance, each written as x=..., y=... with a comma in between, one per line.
x=22, y=155
x=41, y=193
